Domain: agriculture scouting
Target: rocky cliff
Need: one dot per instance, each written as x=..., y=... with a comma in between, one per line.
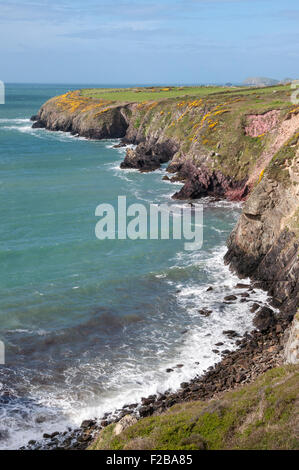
x=230, y=144
x=264, y=244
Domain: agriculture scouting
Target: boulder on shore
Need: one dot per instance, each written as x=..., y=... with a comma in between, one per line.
x=264, y=319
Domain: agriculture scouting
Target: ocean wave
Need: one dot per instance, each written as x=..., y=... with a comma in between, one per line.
x=15, y=120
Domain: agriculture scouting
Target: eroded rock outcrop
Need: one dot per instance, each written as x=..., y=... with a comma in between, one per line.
x=259, y=124
x=88, y=118
x=202, y=182
x=149, y=156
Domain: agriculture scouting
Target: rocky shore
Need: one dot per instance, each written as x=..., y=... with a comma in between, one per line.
x=256, y=352
x=220, y=147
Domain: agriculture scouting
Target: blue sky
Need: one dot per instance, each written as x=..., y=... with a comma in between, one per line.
x=148, y=41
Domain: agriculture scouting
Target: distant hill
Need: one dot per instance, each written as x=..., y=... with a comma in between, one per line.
x=286, y=80
x=260, y=81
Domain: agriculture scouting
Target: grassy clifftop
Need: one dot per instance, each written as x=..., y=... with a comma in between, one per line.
x=263, y=415
x=139, y=94
x=226, y=129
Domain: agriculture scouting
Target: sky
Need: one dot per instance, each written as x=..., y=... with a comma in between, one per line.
x=148, y=41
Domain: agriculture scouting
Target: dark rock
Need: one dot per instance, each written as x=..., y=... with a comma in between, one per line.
x=195, y=388
x=254, y=307
x=120, y=145
x=205, y=312
x=279, y=329
x=209, y=289
x=39, y=125
x=242, y=286
x=149, y=400
x=228, y=298
x=88, y=424
x=40, y=419
x=202, y=182
x=145, y=411
x=169, y=370
x=240, y=378
x=264, y=319
x=149, y=156
x=184, y=385
x=230, y=333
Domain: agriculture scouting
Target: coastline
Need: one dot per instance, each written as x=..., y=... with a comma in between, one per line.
x=258, y=351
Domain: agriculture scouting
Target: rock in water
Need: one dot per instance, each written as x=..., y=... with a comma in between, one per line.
x=230, y=297
x=205, y=312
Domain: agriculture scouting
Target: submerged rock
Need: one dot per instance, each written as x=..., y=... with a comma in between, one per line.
x=205, y=312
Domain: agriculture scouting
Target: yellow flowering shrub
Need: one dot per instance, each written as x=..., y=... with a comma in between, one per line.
x=261, y=175
x=73, y=101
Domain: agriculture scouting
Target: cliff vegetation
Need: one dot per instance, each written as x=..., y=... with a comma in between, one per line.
x=260, y=416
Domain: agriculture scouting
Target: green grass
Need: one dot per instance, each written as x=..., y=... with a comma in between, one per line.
x=262, y=415
x=129, y=95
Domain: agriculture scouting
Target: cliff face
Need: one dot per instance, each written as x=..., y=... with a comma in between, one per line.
x=78, y=115
x=264, y=244
x=228, y=144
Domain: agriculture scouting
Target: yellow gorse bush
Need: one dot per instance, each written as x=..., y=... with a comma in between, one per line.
x=261, y=175
x=73, y=101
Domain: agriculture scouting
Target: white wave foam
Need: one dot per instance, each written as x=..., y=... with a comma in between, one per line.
x=16, y=120
x=135, y=378
x=144, y=373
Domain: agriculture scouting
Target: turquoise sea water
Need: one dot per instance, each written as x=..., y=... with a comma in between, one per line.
x=90, y=325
